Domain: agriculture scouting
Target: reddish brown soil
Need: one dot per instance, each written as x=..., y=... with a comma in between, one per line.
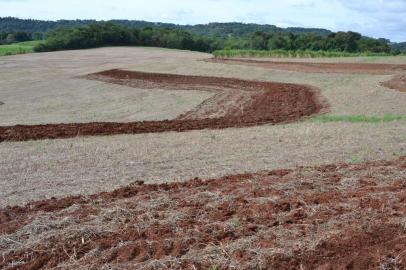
x=397, y=83
x=350, y=68
x=343, y=216
x=253, y=103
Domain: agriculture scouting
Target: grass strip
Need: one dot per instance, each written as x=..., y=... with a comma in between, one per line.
x=19, y=48
x=358, y=118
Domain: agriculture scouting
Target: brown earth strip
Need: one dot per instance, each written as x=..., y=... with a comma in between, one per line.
x=341, y=216
x=236, y=103
x=397, y=83
x=348, y=68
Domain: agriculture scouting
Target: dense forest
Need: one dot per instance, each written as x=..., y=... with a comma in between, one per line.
x=12, y=37
x=110, y=34
x=399, y=47
x=9, y=24
x=62, y=35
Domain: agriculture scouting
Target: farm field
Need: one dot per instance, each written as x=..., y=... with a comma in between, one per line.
x=18, y=48
x=106, y=155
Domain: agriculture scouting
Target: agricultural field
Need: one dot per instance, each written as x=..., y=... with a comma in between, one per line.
x=147, y=158
x=19, y=48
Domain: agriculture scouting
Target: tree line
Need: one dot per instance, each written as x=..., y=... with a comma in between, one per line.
x=110, y=34
x=18, y=36
x=213, y=36
x=232, y=29
x=351, y=42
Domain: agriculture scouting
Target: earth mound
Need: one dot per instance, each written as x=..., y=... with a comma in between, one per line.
x=396, y=83
x=339, y=216
x=349, y=68
x=235, y=103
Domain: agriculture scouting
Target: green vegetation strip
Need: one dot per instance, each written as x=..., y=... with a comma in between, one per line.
x=290, y=53
x=19, y=48
x=358, y=118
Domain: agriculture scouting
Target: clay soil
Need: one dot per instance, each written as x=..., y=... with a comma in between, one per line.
x=343, y=216
x=397, y=83
x=235, y=103
x=349, y=68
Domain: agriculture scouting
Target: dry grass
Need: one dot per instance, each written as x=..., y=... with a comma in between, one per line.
x=400, y=59
x=50, y=92
x=328, y=207
x=41, y=169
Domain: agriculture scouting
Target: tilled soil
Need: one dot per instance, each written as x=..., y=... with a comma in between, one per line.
x=348, y=68
x=236, y=103
x=342, y=216
x=397, y=83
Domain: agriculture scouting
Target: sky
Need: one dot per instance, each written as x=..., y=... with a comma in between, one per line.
x=376, y=18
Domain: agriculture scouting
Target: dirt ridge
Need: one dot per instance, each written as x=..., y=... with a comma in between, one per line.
x=345, y=216
x=314, y=67
x=255, y=103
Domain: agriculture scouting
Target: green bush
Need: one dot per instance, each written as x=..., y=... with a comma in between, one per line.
x=109, y=34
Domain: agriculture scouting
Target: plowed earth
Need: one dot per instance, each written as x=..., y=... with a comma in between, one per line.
x=235, y=103
x=350, y=68
x=343, y=216
x=397, y=83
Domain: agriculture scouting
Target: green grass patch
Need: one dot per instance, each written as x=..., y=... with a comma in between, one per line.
x=291, y=54
x=358, y=118
x=19, y=48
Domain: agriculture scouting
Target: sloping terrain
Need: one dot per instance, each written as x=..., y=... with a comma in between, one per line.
x=237, y=103
x=346, y=68
x=397, y=83
x=348, y=216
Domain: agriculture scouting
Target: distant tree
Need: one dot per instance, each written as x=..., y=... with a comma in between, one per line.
x=10, y=38
x=259, y=41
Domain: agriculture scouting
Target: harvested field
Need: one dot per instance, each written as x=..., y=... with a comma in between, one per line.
x=347, y=68
x=54, y=91
x=236, y=103
x=57, y=204
x=335, y=216
x=397, y=83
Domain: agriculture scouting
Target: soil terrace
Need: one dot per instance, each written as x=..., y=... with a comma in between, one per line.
x=347, y=68
x=397, y=83
x=342, y=216
x=236, y=103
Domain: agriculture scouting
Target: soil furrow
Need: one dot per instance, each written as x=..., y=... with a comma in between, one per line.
x=342, y=216
x=237, y=103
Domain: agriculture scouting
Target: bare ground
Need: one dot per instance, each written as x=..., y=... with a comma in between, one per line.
x=37, y=170
x=338, y=216
x=51, y=91
x=41, y=169
x=399, y=59
x=397, y=82
x=314, y=67
x=237, y=103
x=332, y=216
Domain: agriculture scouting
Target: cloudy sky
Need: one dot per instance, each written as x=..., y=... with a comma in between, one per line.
x=377, y=18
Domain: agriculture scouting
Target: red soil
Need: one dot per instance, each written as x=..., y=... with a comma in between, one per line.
x=343, y=216
x=253, y=103
x=397, y=83
x=350, y=68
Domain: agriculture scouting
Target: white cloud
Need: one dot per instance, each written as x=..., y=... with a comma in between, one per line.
x=376, y=18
